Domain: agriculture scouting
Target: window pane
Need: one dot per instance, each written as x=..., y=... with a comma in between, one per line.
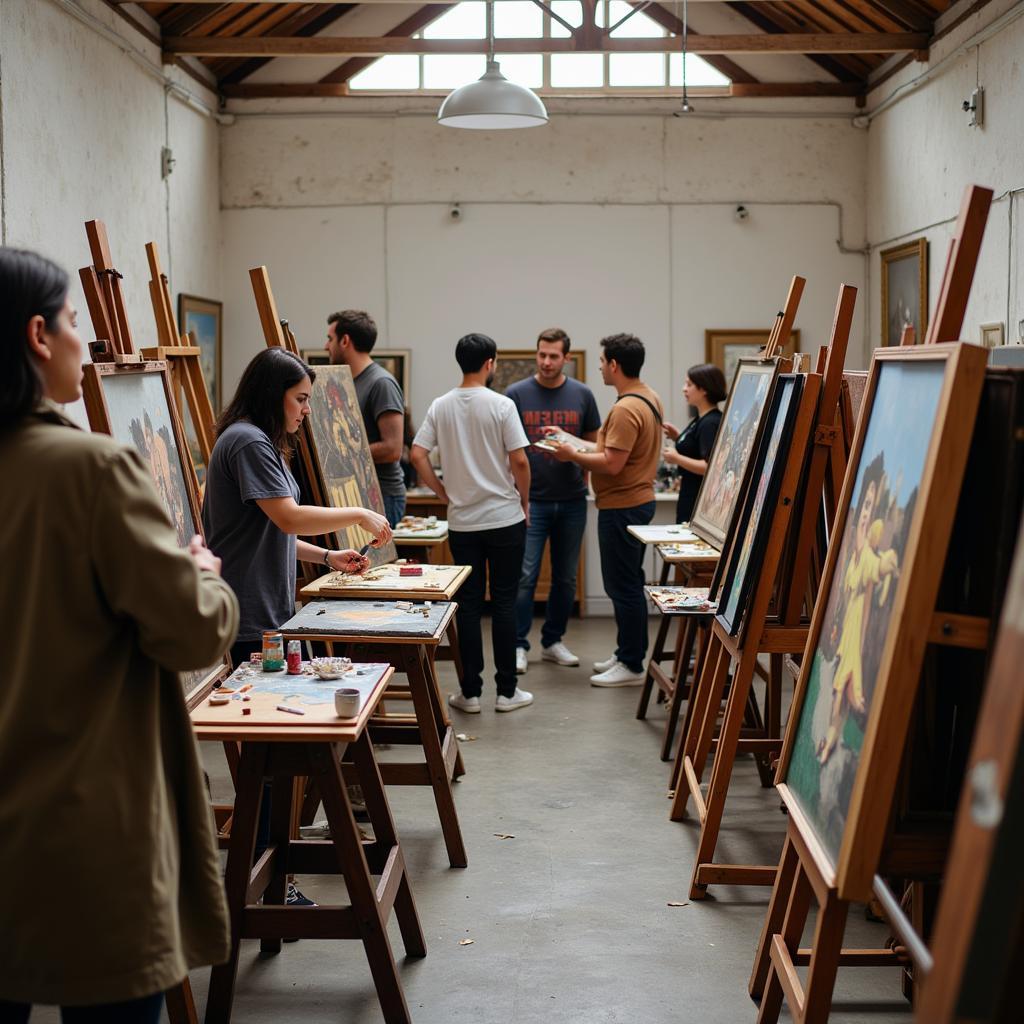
x=571, y=11
x=522, y=68
x=450, y=70
x=638, y=69
x=517, y=20
x=698, y=71
x=577, y=70
x=398, y=71
x=464, y=21
x=640, y=26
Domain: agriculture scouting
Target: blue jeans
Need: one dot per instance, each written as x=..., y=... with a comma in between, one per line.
x=622, y=571
x=563, y=522
x=394, y=508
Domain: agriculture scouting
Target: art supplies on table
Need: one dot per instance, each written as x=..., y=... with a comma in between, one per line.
x=397, y=580
x=549, y=442
x=391, y=620
x=420, y=528
x=682, y=600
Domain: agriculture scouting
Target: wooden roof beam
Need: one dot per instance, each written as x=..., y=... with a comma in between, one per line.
x=376, y=46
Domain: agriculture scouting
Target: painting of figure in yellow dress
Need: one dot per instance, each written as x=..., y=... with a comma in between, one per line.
x=861, y=592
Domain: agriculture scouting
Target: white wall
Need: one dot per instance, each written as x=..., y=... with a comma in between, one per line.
x=922, y=155
x=598, y=223
x=82, y=127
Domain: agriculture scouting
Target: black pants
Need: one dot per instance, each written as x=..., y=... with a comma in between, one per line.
x=134, y=1011
x=497, y=554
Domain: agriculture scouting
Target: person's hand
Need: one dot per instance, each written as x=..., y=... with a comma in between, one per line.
x=348, y=561
x=203, y=556
x=550, y=430
x=671, y=456
x=375, y=523
x=564, y=452
x=526, y=513
x=671, y=431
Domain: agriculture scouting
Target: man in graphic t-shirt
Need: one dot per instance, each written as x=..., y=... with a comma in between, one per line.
x=558, y=494
x=351, y=335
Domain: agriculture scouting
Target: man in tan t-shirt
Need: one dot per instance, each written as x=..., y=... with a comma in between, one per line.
x=623, y=467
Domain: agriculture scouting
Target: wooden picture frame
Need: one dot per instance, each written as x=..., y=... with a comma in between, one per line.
x=915, y=407
x=992, y=335
x=768, y=467
x=732, y=454
x=904, y=290
x=516, y=364
x=315, y=357
x=726, y=347
x=339, y=448
x=133, y=403
x=203, y=321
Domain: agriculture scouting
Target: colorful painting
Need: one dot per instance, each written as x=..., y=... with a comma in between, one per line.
x=202, y=320
x=140, y=416
x=769, y=467
x=369, y=618
x=519, y=363
x=730, y=458
x=341, y=449
x=905, y=291
x=848, y=649
x=725, y=348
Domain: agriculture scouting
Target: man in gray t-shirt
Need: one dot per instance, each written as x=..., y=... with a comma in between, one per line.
x=351, y=335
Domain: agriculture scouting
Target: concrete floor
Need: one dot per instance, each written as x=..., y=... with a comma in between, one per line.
x=569, y=919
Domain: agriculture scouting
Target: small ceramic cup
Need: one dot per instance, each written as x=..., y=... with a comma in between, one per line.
x=346, y=702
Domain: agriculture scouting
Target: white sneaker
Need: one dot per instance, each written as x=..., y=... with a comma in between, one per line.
x=470, y=705
x=559, y=654
x=519, y=699
x=521, y=665
x=617, y=675
x=603, y=666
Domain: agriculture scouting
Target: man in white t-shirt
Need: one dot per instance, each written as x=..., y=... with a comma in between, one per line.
x=487, y=487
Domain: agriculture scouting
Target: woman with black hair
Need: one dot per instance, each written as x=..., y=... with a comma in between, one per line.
x=704, y=389
x=103, y=793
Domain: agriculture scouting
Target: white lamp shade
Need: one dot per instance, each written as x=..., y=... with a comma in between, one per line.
x=492, y=102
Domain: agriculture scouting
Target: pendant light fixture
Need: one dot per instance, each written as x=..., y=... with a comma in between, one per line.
x=492, y=101
x=686, y=108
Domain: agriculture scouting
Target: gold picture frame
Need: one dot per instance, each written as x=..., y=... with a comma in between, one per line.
x=203, y=320
x=516, y=364
x=904, y=290
x=725, y=347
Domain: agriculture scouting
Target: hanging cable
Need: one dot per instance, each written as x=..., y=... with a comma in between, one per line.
x=686, y=108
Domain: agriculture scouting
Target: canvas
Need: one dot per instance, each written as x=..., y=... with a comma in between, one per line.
x=857, y=619
x=904, y=291
x=139, y=415
x=730, y=457
x=767, y=476
x=368, y=618
x=201, y=319
x=347, y=471
x=518, y=364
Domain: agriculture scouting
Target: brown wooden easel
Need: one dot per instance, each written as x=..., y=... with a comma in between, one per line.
x=182, y=358
x=784, y=572
x=104, y=295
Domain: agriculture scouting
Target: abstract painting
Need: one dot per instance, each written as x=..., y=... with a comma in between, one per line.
x=769, y=467
x=864, y=586
x=203, y=320
x=343, y=454
x=729, y=462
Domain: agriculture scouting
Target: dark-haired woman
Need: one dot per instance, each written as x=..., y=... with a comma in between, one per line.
x=704, y=389
x=102, y=794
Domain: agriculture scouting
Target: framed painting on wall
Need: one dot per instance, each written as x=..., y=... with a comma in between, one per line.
x=315, y=357
x=202, y=320
x=867, y=637
x=516, y=364
x=398, y=362
x=730, y=458
x=133, y=404
x=725, y=348
x=904, y=290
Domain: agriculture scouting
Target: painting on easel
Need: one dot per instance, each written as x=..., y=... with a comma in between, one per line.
x=863, y=591
x=134, y=406
x=343, y=453
x=730, y=458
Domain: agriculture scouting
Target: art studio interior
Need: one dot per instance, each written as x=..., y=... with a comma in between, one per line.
x=512, y=511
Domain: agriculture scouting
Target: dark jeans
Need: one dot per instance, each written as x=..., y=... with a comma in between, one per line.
x=394, y=508
x=563, y=522
x=134, y=1011
x=622, y=560
x=499, y=554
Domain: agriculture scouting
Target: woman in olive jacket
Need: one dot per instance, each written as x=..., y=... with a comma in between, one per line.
x=112, y=887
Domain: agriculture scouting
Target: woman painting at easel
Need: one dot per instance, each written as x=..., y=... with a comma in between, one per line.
x=103, y=794
x=704, y=389
x=251, y=510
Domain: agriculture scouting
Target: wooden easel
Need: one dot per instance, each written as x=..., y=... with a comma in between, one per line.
x=104, y=296
x=672, y=687
x=182, y=358
x=780, y=576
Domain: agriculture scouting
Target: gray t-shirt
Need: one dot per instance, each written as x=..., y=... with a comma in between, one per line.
x=258, y=560
x=475, y=429
x=377, y=393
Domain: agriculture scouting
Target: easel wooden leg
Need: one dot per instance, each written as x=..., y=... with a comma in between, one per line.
x=282, y=827
x=828, y=944
x=181, y=1007
x=657, y=653
x=785, y=878
x=703, y=636
x=685, y=640
x=459, y=769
